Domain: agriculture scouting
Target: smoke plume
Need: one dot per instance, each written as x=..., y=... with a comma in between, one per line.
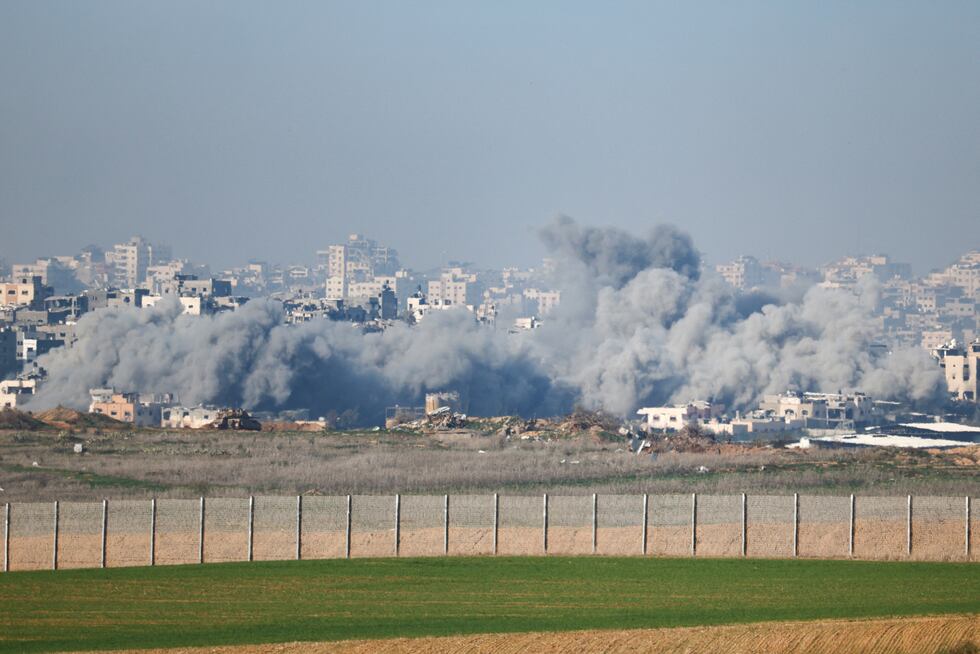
x=638, y=325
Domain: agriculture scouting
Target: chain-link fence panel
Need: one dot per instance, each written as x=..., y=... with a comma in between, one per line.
x=719, y=529
x=324, y=527
x=80, y=535
x=274, y=528
x=178, y=532
x=521, y=525
x=769, y=525
x=31, y=535
x=570, y=524
x=938, y=528
x=373, y=525
x=225, y=530
x=470, y=524
x=422, y=525
x=669, y=525
x=620, y=525
x=974, y=526
x=880, y=527
x=825, y=524
x=128, y=533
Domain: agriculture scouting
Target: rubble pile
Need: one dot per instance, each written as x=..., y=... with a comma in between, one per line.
x=441, y=419
x=685, y=440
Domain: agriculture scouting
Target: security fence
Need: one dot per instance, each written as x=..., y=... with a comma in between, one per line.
x=59, y=535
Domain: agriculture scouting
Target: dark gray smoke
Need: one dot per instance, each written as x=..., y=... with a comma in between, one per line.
x=638, y=325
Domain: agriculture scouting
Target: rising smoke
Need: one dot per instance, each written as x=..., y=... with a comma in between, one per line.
x=637, y=325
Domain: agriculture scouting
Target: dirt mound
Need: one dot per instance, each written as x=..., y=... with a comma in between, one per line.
x=19, y=420
x=273, y=425
x=934, y=635
x=65, y=418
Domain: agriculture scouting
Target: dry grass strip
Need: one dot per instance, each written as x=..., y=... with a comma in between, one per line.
x=930, y=635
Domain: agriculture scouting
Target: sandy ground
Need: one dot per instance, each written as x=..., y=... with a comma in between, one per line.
x=932, y=635
x=873, y=540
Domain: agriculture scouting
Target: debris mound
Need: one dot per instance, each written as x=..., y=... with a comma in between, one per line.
x=689, y=439
x=19, y=420
x=72, y=419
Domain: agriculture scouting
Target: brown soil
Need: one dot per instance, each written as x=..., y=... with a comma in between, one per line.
x=519, y=541
x=933, y=635
x=63, y=418
x=823, y=540
x=665, y=540
x=620, y=541
x=470, y=541
x=324, y=545
x=20, y=421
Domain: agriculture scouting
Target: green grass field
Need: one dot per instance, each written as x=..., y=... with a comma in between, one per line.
x=374, y=598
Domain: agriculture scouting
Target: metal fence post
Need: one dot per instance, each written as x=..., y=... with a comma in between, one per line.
x=153, y=531
x=595, y=521
x=744, y=525
x=694, y=524
x=796, y=524
x=398, y=523
x=967, y=530
x=347, y=531
x=496, y=520
x=6, y=537
x=251, y=527
x=200, y=554
x=908, y=529
x=445, y=525
x=545, y=525
x=105, y=525
x=646, y=504
x=54, y=552
x=850, y=540
x=299, y=527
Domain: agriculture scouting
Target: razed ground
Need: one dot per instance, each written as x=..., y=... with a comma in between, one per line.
x=156, y=463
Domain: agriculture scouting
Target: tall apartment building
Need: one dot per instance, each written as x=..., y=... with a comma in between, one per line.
x=130, y=261
x=455, y=287
x=358, y=260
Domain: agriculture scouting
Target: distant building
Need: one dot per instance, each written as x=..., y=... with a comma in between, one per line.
x=13, y=392
x=8, y=352
x=125, y=407
x=960, y=364
x=455, y=287
x=129, y=261
x=360, y=259
x=847, y=271
x=679, y=416
x=821, y=410
x=25, y=291
x=746, y=272
x=188, y=418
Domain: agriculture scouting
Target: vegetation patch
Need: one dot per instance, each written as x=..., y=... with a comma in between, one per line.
x=329, y=600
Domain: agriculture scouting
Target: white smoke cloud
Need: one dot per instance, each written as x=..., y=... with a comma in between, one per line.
x=637, y=325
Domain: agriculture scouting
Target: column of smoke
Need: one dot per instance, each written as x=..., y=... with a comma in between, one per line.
x=637, y=325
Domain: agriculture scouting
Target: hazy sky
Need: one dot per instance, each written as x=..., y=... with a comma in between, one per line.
x=236, y=130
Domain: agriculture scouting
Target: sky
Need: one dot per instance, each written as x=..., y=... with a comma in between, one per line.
x=235, y=130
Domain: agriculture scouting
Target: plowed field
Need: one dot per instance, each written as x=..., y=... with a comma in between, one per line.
x=896, y=636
